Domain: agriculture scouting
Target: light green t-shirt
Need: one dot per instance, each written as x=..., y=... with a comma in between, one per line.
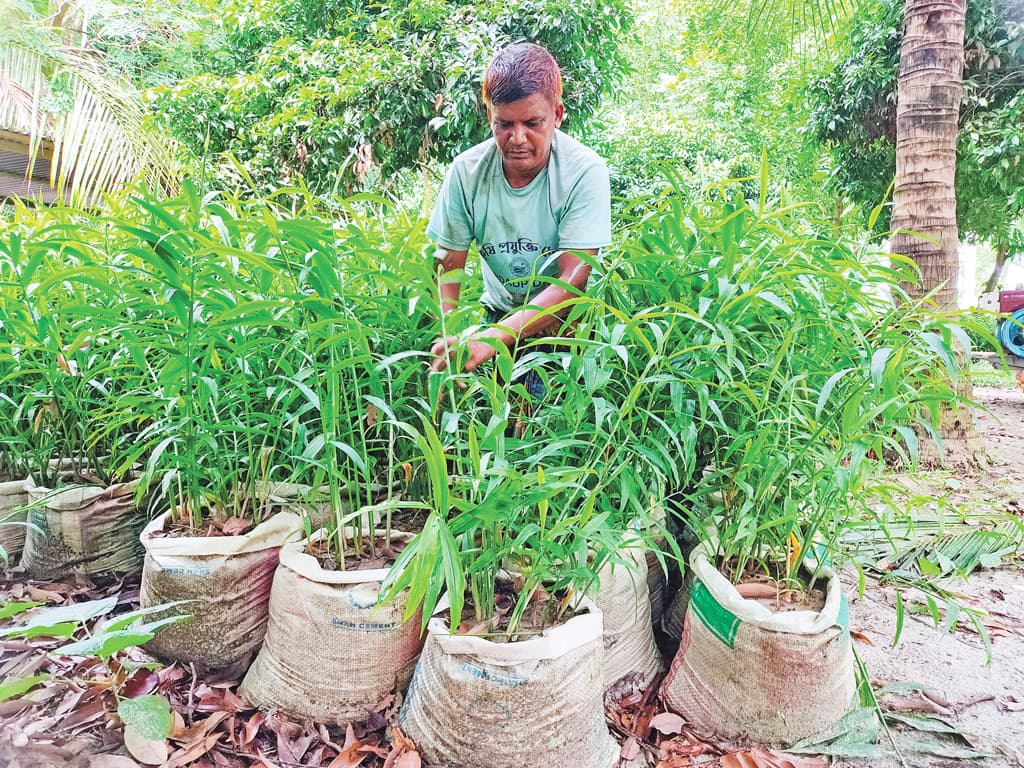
x=519, y=232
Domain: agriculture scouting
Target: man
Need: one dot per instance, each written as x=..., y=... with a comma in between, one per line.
x=532, y=198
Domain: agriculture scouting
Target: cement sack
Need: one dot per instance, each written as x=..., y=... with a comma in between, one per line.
x=226, y=580
x=746, y=672
x=331, y=652
x=624, y=600
x=536, y=703
x=13, y=498
x=83, y=530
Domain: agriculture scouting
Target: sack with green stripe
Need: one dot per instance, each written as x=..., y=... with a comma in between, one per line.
x=744, y=671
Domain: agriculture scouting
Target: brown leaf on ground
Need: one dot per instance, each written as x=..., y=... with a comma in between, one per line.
x=147, y=751
x=349, y=755
x=111, y=761
x=860, y=637
x=200, y=729
x=630, y=748
x=192, y=752
x=766, y=758
x=235, y=526
x=668, y=723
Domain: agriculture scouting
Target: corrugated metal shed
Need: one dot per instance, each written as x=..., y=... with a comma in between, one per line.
x=14, y=169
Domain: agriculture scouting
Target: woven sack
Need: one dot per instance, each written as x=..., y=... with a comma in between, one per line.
x=12, y=530
x=657, y=587
x=624, y=601
x=83, y=530
x=746, y=672
x=331, y=652
x=536, y=703
x=227, y=581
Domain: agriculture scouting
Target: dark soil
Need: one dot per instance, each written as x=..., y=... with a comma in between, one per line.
x=371, y=555
x=545, y=610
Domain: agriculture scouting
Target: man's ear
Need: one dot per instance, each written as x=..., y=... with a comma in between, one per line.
x=488, y=108
x=559, y=114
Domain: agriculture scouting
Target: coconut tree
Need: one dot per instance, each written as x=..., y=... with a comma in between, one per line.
x=54, y=87
x=929, y=88
x=930, y=84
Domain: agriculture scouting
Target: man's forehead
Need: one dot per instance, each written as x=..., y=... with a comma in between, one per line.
x=527, y=108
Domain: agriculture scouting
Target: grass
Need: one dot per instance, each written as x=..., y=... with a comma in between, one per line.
x=984, y=374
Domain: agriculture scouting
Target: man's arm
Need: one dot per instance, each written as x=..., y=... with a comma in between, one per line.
x=523, y=323
x=535, y=320
x=450, y=261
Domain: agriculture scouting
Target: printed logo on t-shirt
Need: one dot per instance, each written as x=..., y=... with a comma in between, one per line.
x=517, y=263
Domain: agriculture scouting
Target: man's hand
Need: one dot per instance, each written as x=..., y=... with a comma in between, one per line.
x=481, y=345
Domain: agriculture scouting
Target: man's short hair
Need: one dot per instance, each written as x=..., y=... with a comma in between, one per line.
x=521, y=70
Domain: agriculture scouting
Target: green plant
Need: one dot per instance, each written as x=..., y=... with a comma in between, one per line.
x=348, y=94
x=805, y=366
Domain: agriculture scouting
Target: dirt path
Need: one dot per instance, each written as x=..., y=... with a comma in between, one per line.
x=984, y=701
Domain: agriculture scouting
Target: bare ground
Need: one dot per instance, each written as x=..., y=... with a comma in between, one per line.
x=982, y=698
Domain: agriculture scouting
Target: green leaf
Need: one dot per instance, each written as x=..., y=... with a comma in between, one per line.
x=105, y=644
x=148, y=715
x=11, y=688
x=13, y=609
x=56, y=620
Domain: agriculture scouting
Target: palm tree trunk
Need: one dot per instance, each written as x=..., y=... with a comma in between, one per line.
x=930, y=85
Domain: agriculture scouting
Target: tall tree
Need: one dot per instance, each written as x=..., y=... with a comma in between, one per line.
x=929, y=87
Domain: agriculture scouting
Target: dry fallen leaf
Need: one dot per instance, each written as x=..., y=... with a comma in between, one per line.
x=766, y=758
x=860, y=637
x=630, y=748
x=147, y=751
x=234, y=526
x=112, y=761
x=668, y=723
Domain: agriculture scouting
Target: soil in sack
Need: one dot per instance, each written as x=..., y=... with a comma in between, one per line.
x=13, y=497
x=82, y=529
x=533, y=703
x=622, y=596
x=745, y=670
x=332, y=652
x=225, y=578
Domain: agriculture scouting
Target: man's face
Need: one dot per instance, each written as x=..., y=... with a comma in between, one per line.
x=524, y=130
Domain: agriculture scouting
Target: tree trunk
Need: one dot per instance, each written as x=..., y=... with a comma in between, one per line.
x=930, y=85
x=997, y=270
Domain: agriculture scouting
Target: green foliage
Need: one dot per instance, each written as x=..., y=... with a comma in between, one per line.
x=127, y=631
x=327, y=91
x=854, y=109
x=148, y=715
x=729, y=348
x=802, y=364
x=702, y=102
x=14, y=687
x=61, y=621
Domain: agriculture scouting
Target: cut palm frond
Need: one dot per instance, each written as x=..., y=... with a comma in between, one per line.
x=934, y=546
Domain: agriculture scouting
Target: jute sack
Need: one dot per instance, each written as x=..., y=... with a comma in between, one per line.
x=12, y=528
x=82, y=530
x=331, y=652
x=657, y=587
x=675, y=613
x=744, y=671
x=537, y=703
x=628, y=636
x=227, y=581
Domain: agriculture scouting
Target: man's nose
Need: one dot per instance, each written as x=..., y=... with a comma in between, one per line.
x=518, y=134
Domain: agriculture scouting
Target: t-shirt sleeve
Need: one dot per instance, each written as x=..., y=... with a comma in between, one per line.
x=587, y=219
x=451, y=223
